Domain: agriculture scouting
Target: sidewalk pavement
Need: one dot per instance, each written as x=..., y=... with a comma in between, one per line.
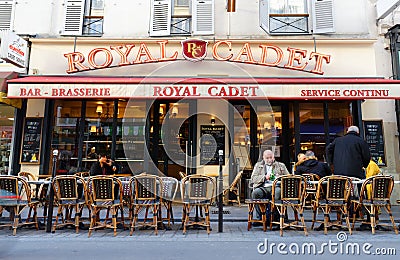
x=234, y=229
x=235, y=242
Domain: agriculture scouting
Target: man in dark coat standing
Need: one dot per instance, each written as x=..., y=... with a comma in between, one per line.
x=349, y=154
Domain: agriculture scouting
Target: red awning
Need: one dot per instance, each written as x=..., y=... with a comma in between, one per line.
x=183, y=87
x=4, y=77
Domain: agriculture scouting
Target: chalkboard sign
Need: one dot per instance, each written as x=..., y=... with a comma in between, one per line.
x=212, y=139
x=30, y=151
x=374, y=137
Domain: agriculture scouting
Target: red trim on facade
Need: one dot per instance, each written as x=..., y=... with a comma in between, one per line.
x=188, y=80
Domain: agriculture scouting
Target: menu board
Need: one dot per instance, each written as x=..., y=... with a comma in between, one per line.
x=212, y=139
x=374, y=138
x=30, y=151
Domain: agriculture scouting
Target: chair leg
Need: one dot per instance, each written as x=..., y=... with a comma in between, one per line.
x=92, y=221
x=373, y=220
x=250, y=215
x=314, y=216
x=114, y=219
x=301, y=210
x=77, y=213
x=186, y=221
x=207, y=218
x=155, y=212
x=15, y=224
x=282, y=220
x=135, y=218
x=59, y=213
x=389, y=211
x=346, y=215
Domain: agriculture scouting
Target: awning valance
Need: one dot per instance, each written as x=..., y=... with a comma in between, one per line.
x=4, y=77
x=230, y=88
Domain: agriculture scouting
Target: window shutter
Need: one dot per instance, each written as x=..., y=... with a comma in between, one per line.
x=160, y=18
x=323, y=21
x=264, y=15
x=6, y=8
x=73, y=17
x=203, y=17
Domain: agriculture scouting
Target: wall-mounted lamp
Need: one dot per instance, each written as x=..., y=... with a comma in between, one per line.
x=174, y=111
x=99, y=109
x=93, y=129
x=213, y=121
x=161, y=111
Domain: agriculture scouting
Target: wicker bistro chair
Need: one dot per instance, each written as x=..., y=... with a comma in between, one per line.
x=146, y=195
x=168, y=192
x=311, y=189
x=104, y=193
x=15, y=196
x=292, y=193
x=382, y=187
x=335, y=197
x=235, y=188
x=66, y=189
x=197, y=192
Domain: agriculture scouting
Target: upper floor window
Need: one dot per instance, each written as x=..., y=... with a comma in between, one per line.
x=295, y=16
x=83, y=17
x=6, y=9
x=181, y=17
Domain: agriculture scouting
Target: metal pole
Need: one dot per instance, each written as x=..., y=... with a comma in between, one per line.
x=220, y=191
x=51, y=196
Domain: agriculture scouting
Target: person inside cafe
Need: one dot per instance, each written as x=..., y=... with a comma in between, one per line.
x=263, y=174
x=103, y=166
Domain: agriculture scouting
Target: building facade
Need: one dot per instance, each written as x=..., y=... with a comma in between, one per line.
x=162, y=86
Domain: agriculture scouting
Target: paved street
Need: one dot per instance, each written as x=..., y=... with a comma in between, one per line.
x=234, y=243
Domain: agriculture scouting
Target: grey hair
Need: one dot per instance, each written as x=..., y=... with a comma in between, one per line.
x=353, y=128
x=309, y=153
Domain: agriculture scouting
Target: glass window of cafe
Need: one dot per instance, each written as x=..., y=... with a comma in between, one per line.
x=6, y=132
x=275, y=128
x=95, y=130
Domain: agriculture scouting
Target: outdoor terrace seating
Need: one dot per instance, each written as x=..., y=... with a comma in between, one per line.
x=15, y=196
x=333, y=194
x=381, y=187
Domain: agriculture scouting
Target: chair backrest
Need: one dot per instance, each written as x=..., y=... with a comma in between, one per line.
x=66, y=187
x=338, y=187
x=382, y=187
x=311, y=177
x=292, y=188
x=14, y=188
x=236, y=180
x=29, y=176
x=147, y=186
x=101, y=188
x=169, y=188
x=197, y=187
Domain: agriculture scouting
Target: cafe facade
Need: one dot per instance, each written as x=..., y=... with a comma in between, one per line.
x=165, y=101
x=167, y=106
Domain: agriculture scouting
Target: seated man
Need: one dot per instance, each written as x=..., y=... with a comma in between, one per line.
x=264, y=173
x=312, y=165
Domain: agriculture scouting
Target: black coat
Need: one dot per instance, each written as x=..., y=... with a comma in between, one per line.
x=349, y=154
x=313, y=166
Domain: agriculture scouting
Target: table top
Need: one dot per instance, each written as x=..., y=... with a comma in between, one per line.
x=214, y=174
